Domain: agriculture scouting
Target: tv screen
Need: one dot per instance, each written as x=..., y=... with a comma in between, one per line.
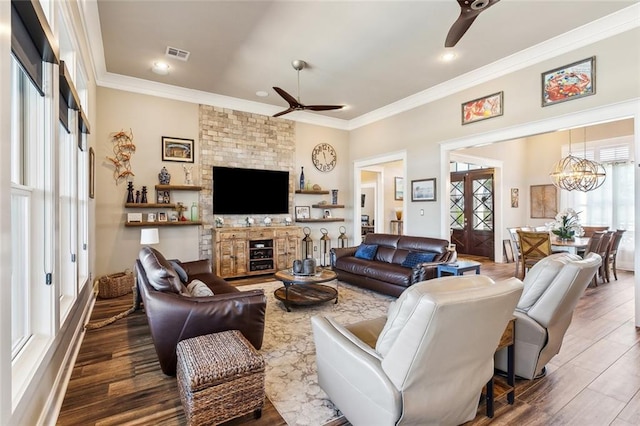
x=250, y=191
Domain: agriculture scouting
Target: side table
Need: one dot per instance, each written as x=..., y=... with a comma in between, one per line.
x=508, y=341
x=459, y=267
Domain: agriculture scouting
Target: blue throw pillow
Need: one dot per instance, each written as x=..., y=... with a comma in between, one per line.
x=415, y=258
x=366, y=251
x=182, y=274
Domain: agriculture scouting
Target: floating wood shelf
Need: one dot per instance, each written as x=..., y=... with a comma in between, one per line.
x=156, y=223
x=312, y=192
x=328, y=219
x=150, y=205
x=328, y=206
x=178, y=188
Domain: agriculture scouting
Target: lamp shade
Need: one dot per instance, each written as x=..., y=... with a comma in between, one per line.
x=149, y=236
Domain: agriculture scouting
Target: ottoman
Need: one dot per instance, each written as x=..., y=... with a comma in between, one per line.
x=220, y=377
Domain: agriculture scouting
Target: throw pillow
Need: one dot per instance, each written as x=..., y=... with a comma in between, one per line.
x=414, y=258
x=199, y=289
x=182, y=274
x=366, y=251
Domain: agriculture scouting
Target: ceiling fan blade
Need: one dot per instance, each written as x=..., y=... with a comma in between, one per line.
x=293, y=102
x=286, y=111
x=323, y=107
x=469, y=11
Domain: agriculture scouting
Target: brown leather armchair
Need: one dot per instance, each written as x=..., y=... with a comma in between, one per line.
x=174, y=316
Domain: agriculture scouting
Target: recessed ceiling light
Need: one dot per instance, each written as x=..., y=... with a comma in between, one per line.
x=448, y=56
x=161, y=68
x=262, y=93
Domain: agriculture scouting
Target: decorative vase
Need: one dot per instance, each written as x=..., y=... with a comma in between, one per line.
x=144, y=195
x=334, y=196
x=309, y=266
x=297, y=266
x=301, y=178
x=164, y=176
x=130, y=198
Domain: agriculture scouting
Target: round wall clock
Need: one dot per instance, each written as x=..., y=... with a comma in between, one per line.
x=324, y=157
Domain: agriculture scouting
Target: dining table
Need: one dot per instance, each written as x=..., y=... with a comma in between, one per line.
x=572, y=245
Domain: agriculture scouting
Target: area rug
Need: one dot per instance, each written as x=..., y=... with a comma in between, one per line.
x=291, y=380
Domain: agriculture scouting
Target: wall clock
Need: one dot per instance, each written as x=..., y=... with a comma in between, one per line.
x=324, y=157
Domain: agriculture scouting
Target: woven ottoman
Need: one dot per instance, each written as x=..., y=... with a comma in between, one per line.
x=220, y=377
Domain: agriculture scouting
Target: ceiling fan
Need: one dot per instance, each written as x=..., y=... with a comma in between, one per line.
x=469, y=11
x=294, y=104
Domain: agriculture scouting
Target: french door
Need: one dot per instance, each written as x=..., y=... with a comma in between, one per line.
x=471, y=215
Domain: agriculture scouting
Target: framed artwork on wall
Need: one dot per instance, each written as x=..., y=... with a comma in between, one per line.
x=515, y=197
x=544, y=201
x=177, y=149
x=398, y=188
x=483, y=108
x=568, y=82
x=423, y=190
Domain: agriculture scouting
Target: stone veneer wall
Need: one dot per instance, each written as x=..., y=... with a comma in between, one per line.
x=239, y=139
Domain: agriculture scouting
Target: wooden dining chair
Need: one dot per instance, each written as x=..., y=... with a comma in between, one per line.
x=589, y=230
x=534, y=246
x=515, y=248
x=603, y=251
x=593, y=247
x=613, y=252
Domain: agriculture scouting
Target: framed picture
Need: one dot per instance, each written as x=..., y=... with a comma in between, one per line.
x=164, y=197
x=544, y=201
x=326, y=214
x=482, y=108
x=568, y=82
x=92, y=173
x=423, y=190
x=303, y=212
x=177, y=149
x=398, y=188
x=151, y=217
x=162, y=217
x=515, y=197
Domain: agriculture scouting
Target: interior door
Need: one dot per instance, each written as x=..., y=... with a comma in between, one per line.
x=471, y=212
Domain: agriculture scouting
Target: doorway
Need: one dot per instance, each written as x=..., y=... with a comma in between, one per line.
x=471, y=211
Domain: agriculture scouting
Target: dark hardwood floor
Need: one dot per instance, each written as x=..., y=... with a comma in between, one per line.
x=594, y=380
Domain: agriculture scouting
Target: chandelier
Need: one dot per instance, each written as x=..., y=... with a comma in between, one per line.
x=572, y=172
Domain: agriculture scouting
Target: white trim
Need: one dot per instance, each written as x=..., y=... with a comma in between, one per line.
x=608, y=26
x=621, y=110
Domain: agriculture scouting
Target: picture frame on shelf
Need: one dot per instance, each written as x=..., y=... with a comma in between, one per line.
x=164, y=197
x=151, y=217
x=134, y=217
x=483, y=108
x=423, y=190
x=303, y=212
x=326, y=214
x=162, y=216
x=177, y=149
x=569, y=82
x=398, y=188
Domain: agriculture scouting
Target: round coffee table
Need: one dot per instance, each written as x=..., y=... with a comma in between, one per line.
x=300, y=290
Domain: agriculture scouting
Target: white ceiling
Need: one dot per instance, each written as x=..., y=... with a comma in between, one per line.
x=368, y=55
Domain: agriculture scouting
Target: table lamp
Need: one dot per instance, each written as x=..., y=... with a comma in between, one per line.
x=149, y=236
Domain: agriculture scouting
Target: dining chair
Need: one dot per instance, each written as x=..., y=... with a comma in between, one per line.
x=613, y=252
x=593, y=247
x=534, y=246
x=603, y=251
x=515, y=248
x=589, y=230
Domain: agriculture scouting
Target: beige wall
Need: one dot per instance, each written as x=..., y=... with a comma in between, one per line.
x=149, y=118
x=421, y=130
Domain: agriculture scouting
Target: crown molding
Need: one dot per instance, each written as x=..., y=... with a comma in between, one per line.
x=616, y=23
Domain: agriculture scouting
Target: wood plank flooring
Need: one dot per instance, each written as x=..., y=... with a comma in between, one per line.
x=594, y=380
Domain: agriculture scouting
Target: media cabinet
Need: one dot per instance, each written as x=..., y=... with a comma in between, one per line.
x=255, y=250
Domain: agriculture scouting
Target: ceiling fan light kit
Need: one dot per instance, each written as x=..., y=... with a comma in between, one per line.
x=295, y=104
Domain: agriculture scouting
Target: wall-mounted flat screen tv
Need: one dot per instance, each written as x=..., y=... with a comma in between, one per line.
x=250, y=191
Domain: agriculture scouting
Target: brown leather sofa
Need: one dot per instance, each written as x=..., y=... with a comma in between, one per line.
x=385, y=272
x=174, y=316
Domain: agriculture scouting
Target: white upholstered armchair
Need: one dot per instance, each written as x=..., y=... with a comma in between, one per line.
x=552, y=289
x=426, y=361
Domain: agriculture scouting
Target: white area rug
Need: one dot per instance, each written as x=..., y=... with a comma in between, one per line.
x=290, y=355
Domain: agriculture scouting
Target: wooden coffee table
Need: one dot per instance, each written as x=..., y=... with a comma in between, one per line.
x=300, y=290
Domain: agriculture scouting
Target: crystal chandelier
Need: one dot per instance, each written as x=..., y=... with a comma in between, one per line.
x=572, y=172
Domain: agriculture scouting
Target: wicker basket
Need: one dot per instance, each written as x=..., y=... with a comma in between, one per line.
x=115, y=285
